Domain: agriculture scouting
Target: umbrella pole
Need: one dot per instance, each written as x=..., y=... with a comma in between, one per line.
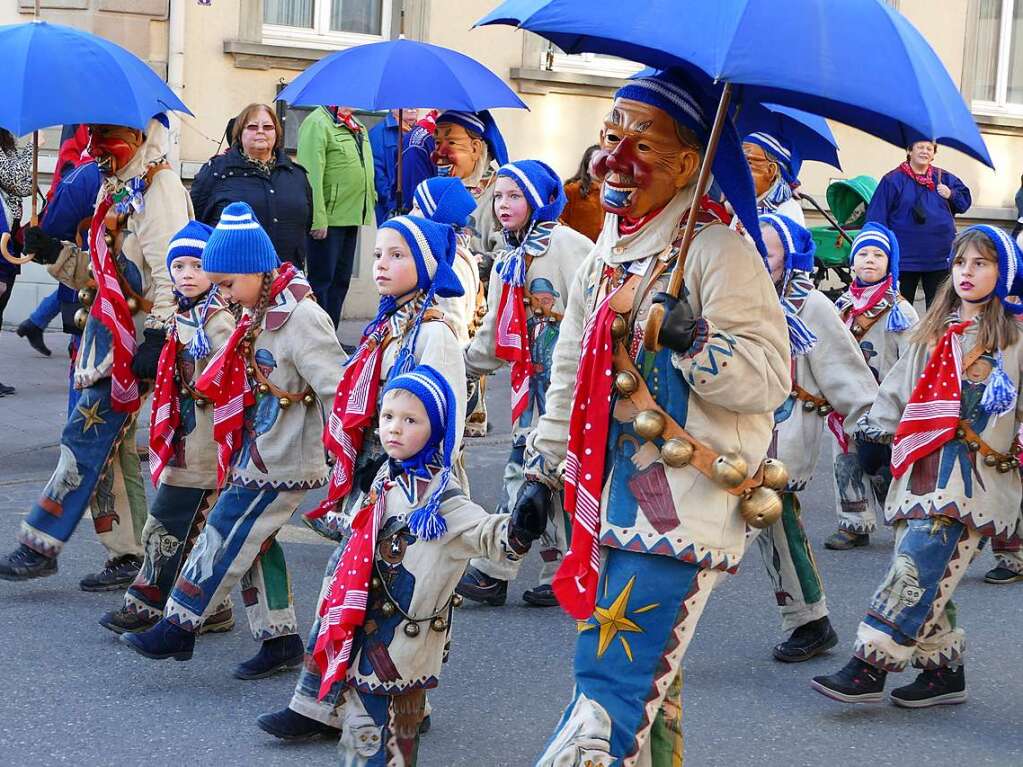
x=656, y=316
x=401, y=123
x=5, y=238
x=831, y=219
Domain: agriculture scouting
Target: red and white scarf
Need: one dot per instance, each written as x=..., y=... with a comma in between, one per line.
x=512, y=344
x=111, y=309
x=346, y=119
x=575, y=583
x=866, y=297
x=343, y=610
x=165, y=417
x=355, y=405
x=932, y=413
x=925, y=179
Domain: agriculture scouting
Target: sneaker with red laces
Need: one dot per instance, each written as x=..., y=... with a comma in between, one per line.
x=933, y=687
x=856, y=682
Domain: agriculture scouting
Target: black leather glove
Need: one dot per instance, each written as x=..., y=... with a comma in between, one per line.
x=529, y=517
x=45, y=247
x=679, y=327
x=147, y=357
x=873, y=456
x=365, y=475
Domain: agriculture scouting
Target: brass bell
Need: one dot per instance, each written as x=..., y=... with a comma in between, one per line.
x=760, y=508
x=776, y=476
x=858, y=331
x=263, y=388
x=960, y=433
x=388, y=609
x=1004, y=467
x=411, y=629
x=439, y=624
x=649, y=424
x=677, y=452
x=808, y=406
x=824, y=410
x=200, y=402
x=973, y=445
x=619, y=328
x=730, y=470
x=133, y=304
x=251, y=370
x=376, y=583
x=308, y=399
x=81, y=316
x=990, y=460
x=86, y=296
x=285, y=402
x=108, y=239
x=456, y=600
x=626, y=383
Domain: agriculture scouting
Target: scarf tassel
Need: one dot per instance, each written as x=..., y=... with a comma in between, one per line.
x=426, y=522
x=801, y=338
x=999, y=393
x=897, y=321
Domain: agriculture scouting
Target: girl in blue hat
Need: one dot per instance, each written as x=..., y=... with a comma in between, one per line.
x=879, y=318
x=412, y=268
x=525, y=303
x=269, y=386
x=951, y=412
x=829, y=377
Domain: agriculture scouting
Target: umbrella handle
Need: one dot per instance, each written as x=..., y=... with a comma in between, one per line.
x=831, y=219
x=656, y=316
x=5, y=238
x=401, y=119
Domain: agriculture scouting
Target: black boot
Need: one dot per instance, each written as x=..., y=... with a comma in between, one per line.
x=808, y=640
x=117, y=574
x=126, y=621
x=164, y=640
x=480, y=587
x=843, y=540
x=34, y=335
x=6, y=390
x=933, y=687
x=1002, y=575
x=24, y=564
x=856, y=682
x=277, y=654
x=540, y=596
x=290, y=725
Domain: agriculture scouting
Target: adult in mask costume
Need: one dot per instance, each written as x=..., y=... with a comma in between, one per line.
x=469, y=146
x=774, y=165
x=662, y=449
x=124, y=281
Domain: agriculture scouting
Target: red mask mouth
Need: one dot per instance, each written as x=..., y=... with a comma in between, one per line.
x=114, y=146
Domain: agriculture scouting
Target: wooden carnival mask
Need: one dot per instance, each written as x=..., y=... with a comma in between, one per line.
x=763, y=169
x=458, y=150
x=644, y=159
x=113, y=146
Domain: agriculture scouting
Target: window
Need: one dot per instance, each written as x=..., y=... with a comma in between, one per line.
x=998, y=57
x=325, y=23
x=554, y=59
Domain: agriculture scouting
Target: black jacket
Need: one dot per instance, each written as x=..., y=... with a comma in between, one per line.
x=283, y=202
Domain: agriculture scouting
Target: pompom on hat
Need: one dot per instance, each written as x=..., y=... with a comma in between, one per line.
x=430, y=388
x=541, y=186
x=445, y=200
x=238, y=244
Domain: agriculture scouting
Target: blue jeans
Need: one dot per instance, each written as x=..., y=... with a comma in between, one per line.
x=46, y=311
x=330, y=265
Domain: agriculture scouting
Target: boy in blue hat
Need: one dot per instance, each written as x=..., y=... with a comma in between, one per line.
x=879, y=319
x=525, y=304
x=829, y=377
x=385, y=618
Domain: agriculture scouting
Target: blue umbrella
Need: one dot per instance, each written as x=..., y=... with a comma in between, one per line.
x=808, y=135
x=856, y=61
x=400, y=73
x=58, y=75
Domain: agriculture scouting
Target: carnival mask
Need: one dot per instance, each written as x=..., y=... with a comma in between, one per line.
x=763, y=169
x=642, y=162
x=458, y=151
x=113, y=146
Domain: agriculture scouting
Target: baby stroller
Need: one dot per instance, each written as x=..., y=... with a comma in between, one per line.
x=848, y=200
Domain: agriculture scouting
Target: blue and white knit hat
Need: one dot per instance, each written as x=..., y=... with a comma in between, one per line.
x=675, y=93
x=541, y=186
x=445, y=199
x=799, y=250
x=189, y=242
x=783, y=153
x=483, y=125
x=239, y=245
x=430, y=388
x=881, y=237
x=433, y=248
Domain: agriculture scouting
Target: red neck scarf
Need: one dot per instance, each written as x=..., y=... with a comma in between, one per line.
x=226, y=384
x=111, y=309
x=345, y=119
x=165, y=416
x=925, y=179
x=932, y=413
x=343, y=610
x=575, y=583
x=512, y=345
x=628, y=225
x=866, y=297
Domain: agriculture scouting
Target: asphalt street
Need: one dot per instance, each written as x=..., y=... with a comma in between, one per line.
x=69, y=693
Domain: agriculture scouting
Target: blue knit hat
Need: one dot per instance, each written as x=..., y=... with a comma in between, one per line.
x=445, y=200
x=799, y=249
x=881, y=237
x=675, y=93
x=483, y=125
x=430, y=388
x=780, y=151
x=541, y=186
x=189, y=242
x=433, y=248
x=238, y=244
x=1010, y=264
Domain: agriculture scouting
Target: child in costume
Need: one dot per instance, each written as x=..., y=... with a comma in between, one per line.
x=270, y=385
x=386, y=614
x=182, y=453
x=828, y=375
x=879, y=318
x=412, y=268
x=952, y=413
x=526, y=301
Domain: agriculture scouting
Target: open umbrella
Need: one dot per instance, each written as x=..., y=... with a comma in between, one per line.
x=58, y=75
x=400, y=73
x=856, y=61
x=808, y=134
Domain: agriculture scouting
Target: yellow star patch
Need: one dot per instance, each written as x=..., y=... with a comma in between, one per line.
x=90, y=416
x=614, y=621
